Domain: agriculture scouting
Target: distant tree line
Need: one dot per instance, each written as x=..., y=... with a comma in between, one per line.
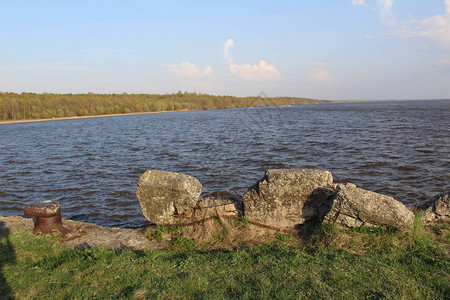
x=46, y=106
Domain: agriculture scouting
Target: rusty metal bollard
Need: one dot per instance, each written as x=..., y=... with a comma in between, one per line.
x=48, y=217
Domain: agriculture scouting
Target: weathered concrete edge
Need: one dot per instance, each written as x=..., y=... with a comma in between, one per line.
x=87, y=235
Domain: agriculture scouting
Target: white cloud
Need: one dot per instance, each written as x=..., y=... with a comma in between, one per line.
x=319, y=73
x=370, y=36
x=189, y=69
x=262, y=71
x=359, y=2
x=445, y=62
x=386, y=11
x=386, y=6
x=435, y=28
x=259, y=72
x=227, y=45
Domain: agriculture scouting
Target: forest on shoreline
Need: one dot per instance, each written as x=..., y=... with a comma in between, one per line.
x=31, y=106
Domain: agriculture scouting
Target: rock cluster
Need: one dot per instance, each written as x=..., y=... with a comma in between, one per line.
x=438, y=209
x=283, y=198
x=170, y=198
x=286, y=198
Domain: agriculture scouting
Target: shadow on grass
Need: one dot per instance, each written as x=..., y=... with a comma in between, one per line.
x=7, y=256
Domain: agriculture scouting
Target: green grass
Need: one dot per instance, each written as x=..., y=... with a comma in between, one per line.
x=332, y=264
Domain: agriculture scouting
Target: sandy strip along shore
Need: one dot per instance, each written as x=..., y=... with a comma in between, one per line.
x=88, y=117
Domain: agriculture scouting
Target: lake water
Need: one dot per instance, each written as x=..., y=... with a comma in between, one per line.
x=401, y=149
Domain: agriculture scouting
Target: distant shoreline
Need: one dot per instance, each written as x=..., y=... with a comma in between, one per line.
x=30, y=107
x=124, y=114
x=5, y=122
x=89, y=117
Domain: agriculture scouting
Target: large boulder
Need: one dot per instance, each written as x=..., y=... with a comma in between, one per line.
x=354, y=207
x=438, y=209
x=278, y=198
x=165, y=197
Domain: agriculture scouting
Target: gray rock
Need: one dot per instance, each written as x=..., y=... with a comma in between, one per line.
x=354, y=207
x=165, y=197
x=438, y=209
x=278, y=198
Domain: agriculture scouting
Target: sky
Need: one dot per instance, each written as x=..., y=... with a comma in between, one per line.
x=336, y=49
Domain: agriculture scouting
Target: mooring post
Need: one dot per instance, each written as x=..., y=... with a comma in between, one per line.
x=48, y=217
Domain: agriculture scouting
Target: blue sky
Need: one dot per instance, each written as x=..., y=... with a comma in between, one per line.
x=343, y=49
